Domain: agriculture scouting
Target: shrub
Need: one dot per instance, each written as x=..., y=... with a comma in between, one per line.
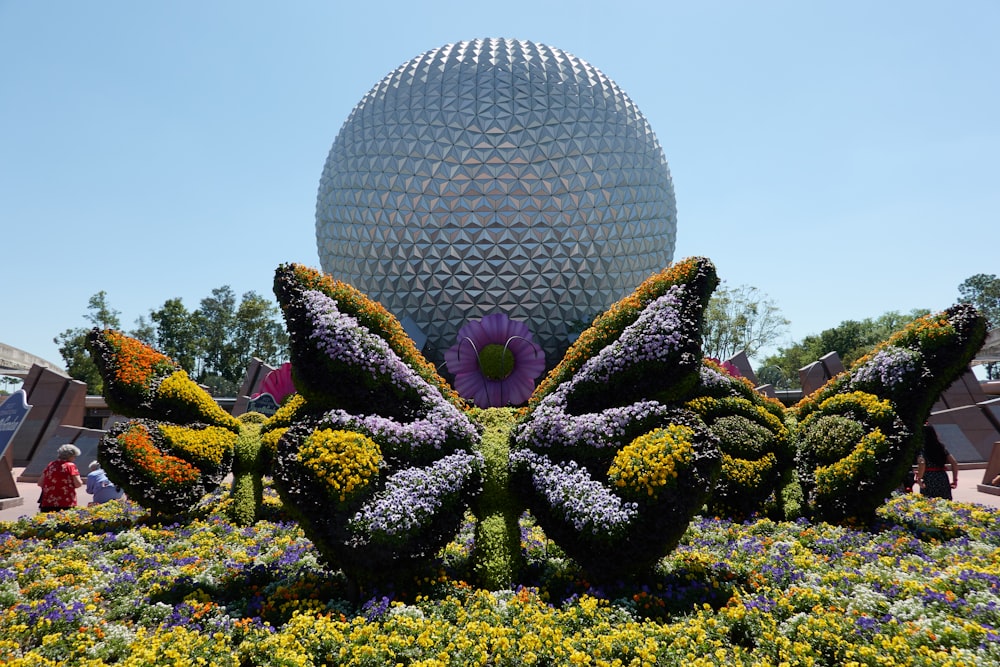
x=376, y=462
x=757, y=450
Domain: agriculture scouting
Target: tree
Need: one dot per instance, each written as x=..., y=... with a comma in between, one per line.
x=8, y=382
x=73, y=347
x=214, y=322
x=214, y=344
x=177, y=334
x=258, y=332
x=983, y=292
x=741, y=319
x=851, y=339
x=101, y=314
x=144, y=331
x=229, y=337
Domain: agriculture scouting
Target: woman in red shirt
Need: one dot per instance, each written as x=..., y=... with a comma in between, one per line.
x=60, y=480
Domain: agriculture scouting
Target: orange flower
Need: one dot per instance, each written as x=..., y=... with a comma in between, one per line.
x=137, y=445
x=136, y=362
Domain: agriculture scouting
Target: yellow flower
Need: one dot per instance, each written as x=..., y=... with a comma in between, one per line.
x=653, y=461
x=207, y=446
x=181, y=391
x=345, y=461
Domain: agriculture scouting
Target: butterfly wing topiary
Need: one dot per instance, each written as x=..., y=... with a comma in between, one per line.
x=608, y=458
x=373, y=409
x=859, y=433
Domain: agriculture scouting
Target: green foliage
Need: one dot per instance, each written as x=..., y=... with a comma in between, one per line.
x=73, y=342
x=257, y=332
x=213, y=321
x=757, y=449
x=8, y=382
x=79, y=365
x=833, y=437
x=176, y=333
x=983, y=291
x=248, y=472
x=788, y=504
x=745, y=438
x=497, y=557
x=740, y=319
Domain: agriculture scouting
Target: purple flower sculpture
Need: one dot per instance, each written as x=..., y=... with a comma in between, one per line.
x=495, y=362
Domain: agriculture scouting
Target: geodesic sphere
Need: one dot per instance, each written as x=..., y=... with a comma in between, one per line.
x=496, y=175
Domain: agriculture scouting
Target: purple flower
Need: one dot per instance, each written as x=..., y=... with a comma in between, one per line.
x=414, y=496
x=439, y=426
x=495, y=362
x=656, y=337
x=551, y=425
x=889, y=367
x=581, y=501
x=342, y=339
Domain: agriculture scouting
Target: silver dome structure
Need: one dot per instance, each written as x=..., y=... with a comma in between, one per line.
x=495, y=175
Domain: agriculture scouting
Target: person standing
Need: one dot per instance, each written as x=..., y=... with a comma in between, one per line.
x=931, y=474
x=60, y=480
x=99, y=486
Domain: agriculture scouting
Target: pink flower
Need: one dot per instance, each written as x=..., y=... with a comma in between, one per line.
x=495, y=362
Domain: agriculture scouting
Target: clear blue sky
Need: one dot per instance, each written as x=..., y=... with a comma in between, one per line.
x=842, y=157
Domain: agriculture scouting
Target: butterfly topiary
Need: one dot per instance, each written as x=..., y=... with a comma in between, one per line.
x=860, y=432
x=608, y=458
x=380, y=463
x=757, y=447
x=180, y=444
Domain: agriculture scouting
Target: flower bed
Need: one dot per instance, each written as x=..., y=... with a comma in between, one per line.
x=97, y=587
x=620, y=456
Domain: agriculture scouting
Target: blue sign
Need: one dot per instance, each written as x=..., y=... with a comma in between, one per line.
x=12, y=414
x=264, y=404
